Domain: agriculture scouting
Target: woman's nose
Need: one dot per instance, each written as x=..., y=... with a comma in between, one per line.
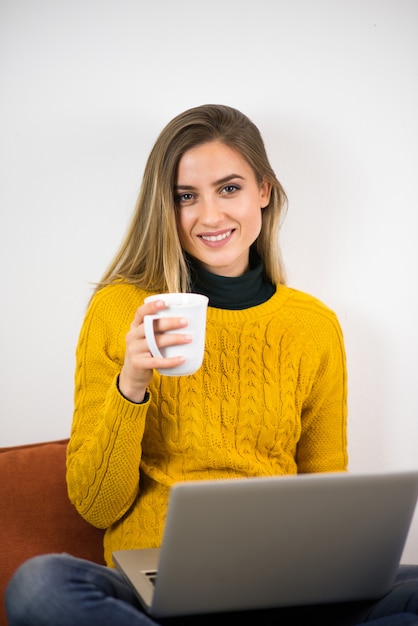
x=210, y=211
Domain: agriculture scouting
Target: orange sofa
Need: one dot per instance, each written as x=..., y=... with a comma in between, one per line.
x=36, y=515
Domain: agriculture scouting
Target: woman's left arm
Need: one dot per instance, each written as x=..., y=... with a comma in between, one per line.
x=323, y=443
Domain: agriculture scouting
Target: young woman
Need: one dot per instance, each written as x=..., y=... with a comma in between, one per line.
x=269, y=399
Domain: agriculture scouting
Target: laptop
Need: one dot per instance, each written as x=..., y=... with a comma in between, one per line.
x=255, y=543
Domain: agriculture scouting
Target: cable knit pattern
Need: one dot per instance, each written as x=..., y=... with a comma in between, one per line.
x=270, y=399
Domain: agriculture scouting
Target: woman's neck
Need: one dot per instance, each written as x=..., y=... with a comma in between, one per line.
x=234, y=293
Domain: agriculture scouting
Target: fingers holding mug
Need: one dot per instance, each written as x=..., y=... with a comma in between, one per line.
x=166, y=336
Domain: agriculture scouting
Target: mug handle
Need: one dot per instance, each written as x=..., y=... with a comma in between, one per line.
x=150, y=335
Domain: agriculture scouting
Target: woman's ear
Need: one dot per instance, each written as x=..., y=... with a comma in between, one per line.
x=265, y=193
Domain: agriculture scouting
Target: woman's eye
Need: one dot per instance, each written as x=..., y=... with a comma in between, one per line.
x=184, y=197
x=229, y=189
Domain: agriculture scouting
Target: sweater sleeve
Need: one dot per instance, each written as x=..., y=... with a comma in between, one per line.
x=323, y=443
x=104, y=451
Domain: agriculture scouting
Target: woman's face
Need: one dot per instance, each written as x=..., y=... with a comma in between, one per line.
x=219, y=207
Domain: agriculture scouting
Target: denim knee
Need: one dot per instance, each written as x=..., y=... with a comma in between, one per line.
x=400, y=604
x=63, y=590
x=30, y=591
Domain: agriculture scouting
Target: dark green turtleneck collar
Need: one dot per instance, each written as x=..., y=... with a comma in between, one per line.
x=233, y=293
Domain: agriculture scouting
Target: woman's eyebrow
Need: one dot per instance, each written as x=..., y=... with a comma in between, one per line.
x=221, y=181
x=227, y=179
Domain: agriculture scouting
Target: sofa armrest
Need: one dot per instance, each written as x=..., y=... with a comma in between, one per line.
x=36, y=514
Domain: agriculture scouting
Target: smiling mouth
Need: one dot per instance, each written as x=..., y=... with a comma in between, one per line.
x=217, y=237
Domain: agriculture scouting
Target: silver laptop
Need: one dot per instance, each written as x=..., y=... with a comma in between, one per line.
x=256, y=543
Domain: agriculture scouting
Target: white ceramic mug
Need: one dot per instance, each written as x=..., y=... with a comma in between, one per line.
x=193, y=307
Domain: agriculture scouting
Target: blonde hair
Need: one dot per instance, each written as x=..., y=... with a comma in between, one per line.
x=150, y=255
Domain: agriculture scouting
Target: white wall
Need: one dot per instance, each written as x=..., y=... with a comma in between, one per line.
x=86, y=85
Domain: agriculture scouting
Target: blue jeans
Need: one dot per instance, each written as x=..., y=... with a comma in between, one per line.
x=61, y=590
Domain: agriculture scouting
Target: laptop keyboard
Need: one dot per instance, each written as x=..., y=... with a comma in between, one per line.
x=151, y=575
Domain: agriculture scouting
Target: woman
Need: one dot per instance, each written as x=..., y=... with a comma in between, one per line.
x=269, y=399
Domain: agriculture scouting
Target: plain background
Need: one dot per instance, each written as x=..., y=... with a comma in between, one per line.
x=86, y=86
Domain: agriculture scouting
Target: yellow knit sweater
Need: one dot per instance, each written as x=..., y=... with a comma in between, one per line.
x=270, y=399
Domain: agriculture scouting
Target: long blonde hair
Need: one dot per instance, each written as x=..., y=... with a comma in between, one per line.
x=150, y=255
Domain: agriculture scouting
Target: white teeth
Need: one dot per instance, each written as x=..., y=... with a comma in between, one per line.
x=216, y=237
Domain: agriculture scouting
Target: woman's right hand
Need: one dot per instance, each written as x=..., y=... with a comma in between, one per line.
x=139, y=363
